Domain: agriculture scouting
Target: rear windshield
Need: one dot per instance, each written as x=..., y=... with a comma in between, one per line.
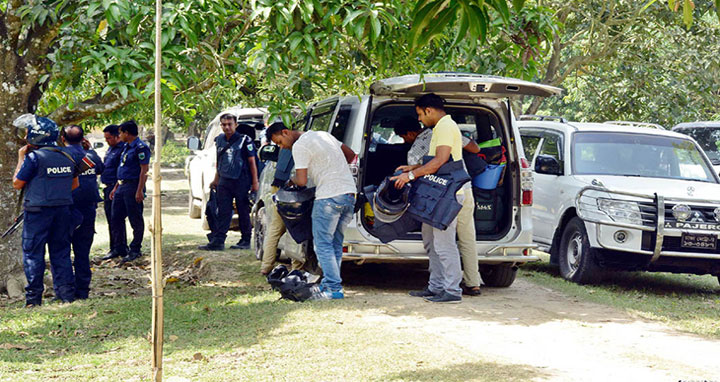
x=652, y=156
x=708, y=138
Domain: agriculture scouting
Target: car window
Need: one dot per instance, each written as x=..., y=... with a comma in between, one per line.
x=321, y=116
x=213, y=131
x=530, y=145
x=552, y=146
x=339, y=127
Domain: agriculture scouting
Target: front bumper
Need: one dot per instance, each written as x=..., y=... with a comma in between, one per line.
x=656, y=236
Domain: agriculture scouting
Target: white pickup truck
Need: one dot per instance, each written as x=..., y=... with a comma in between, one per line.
x=621, y=198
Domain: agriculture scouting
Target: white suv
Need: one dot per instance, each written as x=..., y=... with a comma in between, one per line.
x=621, y=197
x=200, y=167
x=479, y=104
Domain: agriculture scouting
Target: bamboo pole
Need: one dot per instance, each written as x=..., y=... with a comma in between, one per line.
x=156, y=228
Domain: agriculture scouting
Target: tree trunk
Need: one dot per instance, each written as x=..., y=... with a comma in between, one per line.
x=12, y=278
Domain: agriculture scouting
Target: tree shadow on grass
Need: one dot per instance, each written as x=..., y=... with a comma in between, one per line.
x=471, y=371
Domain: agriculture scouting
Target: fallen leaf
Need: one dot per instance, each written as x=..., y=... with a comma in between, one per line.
x=172, y=280
x=197, y=261
x=173, y=338
x=190, y=303
x=14, y=346
x=23, y=334
x=198, y=357
x=93, y=315
x=109, y=311
x=208, y=309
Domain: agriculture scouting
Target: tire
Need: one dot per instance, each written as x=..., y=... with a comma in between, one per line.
x=258, y=232
x=194, y=212
x=576, y=257
x=499, y=276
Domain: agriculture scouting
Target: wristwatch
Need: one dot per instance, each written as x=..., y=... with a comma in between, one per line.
x=411, y=176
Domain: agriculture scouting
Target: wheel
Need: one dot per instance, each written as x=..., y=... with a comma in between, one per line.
x=500, y=276
x=193, y=210
x=576, y=258
x=259, y=232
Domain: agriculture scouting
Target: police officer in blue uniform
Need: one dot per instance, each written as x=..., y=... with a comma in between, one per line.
x=85, y=200
x=236, y=175
x=129, y=192
x=47, y=173
x=109, y=179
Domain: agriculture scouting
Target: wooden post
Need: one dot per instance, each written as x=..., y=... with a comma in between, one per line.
x=156, y=228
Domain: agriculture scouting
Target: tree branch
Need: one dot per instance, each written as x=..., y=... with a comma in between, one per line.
x=88, y=108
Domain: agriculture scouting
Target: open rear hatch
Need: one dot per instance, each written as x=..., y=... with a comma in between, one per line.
x=459, y=85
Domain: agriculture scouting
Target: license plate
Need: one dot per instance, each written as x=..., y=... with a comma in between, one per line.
x=698, y=241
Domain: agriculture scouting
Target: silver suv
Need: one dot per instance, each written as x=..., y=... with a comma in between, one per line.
x=480, y=106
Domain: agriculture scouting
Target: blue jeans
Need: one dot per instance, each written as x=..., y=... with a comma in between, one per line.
x=330, y=217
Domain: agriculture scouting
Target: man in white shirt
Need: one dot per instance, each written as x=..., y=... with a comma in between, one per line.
x=324, y=160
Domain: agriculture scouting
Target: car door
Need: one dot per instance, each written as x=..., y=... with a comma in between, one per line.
x=546, y=195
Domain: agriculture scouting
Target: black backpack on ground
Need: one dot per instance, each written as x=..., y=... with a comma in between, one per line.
x=291, y=285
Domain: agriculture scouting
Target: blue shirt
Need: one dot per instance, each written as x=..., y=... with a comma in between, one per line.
x=134, y=154
x=233, y=164
x=111, y=163
x=88, y=190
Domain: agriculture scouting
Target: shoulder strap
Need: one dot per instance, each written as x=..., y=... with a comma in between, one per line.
x=227, y=146
x=57, y=150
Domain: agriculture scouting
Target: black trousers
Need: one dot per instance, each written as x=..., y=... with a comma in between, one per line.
x=230, y=190
x=124, y=205
x=107, y=206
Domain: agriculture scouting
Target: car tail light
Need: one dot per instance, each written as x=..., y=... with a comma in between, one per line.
x=526, y=182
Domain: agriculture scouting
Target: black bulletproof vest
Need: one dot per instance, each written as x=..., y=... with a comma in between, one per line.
x=388, y=232
x=433, y=198
x=52, y=186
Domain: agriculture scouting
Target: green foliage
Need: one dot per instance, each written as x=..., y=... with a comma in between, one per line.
x=174, y=154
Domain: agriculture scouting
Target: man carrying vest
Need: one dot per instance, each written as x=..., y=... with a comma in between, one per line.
x=411, y=132
x=47, y=173
x=111, y=162
x=85, y=200
x=443, y=255
x=276, y=226
x=236, y=175
x=129, y=192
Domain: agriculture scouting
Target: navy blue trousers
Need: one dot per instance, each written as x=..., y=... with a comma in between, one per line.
x=51, y=226
x=124, y=205
x=228, y=191
x=82, y=239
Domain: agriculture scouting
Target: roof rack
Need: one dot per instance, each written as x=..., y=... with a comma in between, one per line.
x=635, y=124
x=534, y=117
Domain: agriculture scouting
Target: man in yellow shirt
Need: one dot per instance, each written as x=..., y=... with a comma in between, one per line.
x=444, y=257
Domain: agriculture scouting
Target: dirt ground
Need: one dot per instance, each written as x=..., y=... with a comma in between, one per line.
x=562, y=338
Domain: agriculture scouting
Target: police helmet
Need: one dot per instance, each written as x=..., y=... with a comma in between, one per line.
x=390, y=203
x=38, y=131
x=294, y=203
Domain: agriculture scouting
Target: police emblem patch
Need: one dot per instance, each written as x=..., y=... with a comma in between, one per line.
x=250, y=146
x=141, y=156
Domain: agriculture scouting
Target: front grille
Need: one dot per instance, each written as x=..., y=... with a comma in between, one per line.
x=705, y=213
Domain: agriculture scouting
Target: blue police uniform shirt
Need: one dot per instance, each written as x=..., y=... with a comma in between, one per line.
x=47, y=175
x=88, y=189
x=111, y=163
x=234, y=162
x=134, y=154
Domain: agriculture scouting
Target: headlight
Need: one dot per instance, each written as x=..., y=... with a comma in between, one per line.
x=682, y=212
x=717, y=214
x=621, y=210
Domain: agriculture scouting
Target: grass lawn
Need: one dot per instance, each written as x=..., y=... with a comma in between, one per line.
x=233, y=330
x=687, y=302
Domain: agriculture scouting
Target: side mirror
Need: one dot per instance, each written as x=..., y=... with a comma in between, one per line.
x=193, y=143
x=98, y=145
x=269, y=153
x=546, y=164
